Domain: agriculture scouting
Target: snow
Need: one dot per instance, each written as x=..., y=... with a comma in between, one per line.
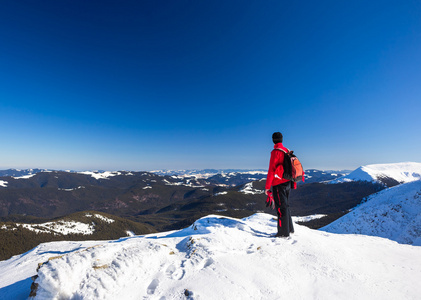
x=205, y=174
x=219, y=258
x=394, y=213
x=188, y=183
x=401, y=172
x=248, y=189
x=3, y=183
x=172, y=183
x=182, y=174
x=101, y=217
x=60, y=227
x=307, y=218
x=221, y=193
x=99, y=175
x=25, y=176
x=69, y=190
x=105, y=219
x=15, y=273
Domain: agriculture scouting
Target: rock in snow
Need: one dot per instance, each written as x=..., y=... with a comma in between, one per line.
x=394, y=213
x=220, y=258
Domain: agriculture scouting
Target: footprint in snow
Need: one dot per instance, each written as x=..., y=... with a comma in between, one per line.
x=174, y=273
x=152, y=286
x=279, y=241
x=208, y=262
x=250, y=250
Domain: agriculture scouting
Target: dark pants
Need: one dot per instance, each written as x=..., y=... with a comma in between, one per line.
x=281, y=195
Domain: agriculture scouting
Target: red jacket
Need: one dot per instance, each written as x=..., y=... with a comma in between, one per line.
x=276, y=162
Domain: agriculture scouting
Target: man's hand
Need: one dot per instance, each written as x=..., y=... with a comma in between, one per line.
x=267, y=191
x=269, y=200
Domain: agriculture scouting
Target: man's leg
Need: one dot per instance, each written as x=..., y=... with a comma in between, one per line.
x=291, y=224
x=280, y=195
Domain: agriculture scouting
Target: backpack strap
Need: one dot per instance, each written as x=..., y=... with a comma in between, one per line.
x=283, y=149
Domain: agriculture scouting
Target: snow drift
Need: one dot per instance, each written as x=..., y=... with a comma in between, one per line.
x=220, y=258
x=394, y=213
x=384, y=173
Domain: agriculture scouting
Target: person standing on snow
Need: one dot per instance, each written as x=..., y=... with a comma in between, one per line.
x=280, y=187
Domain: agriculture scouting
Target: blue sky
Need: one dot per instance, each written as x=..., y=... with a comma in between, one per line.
x=143, y=85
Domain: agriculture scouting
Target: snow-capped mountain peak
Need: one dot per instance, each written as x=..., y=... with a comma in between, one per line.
x=387, y=174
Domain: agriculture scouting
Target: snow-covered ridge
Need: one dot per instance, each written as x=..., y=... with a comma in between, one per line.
x=101, y=217
x=399, y=172
x=62, y=227
x=188, y=183
x=219, y=258
x=25, y=176
x=101, y=175
x=308, y=218
x=394, y=213
x=3, y=183
x=248, y=189
x=17, y=174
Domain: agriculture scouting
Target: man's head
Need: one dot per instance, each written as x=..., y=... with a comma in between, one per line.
x=277, y=137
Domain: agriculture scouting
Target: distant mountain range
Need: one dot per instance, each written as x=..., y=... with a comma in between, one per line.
x=20, y=173
x=191, y=178
x=137, y=195
x=237, y=176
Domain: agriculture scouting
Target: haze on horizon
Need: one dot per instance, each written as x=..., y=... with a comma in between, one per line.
x=146, y=85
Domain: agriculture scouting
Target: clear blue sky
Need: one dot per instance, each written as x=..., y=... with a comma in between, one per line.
x=143, y=85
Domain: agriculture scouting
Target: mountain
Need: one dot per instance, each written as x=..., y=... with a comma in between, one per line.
x=226, y=177
x=394, y=213
x=386, y=174
x=168, y=202
x=218, y=258
x=19, y=236
x=51, y=194
x=233, y=177
x=20, y=173
x=206, y=173
x=313, y=175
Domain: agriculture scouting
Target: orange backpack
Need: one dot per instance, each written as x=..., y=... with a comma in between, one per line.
x=293, y=170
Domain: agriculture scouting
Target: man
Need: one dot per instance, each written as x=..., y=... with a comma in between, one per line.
x=280, y=186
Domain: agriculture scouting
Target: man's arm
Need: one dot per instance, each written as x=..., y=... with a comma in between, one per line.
x=271, y=171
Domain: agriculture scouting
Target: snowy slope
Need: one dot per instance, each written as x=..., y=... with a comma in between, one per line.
x=220, y=258
x=61, y=227
x=101, y=174
x=399, y=172
x=249, y=189
x=394, y=213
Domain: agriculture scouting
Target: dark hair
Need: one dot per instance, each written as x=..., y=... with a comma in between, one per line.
x=277, y=137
